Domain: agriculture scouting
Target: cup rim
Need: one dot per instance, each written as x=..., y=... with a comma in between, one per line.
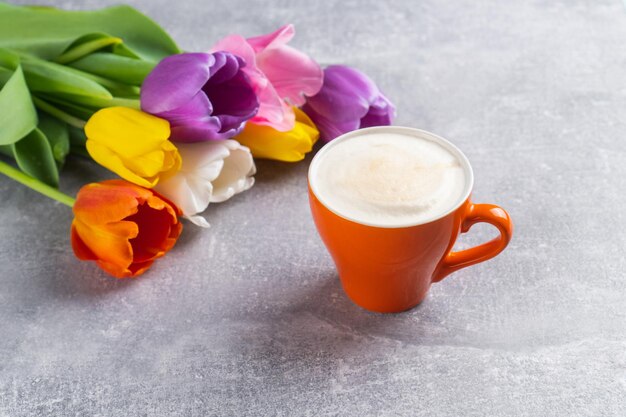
x=409, y=131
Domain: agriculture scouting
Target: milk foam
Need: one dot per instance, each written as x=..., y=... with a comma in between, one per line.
x=389, y=179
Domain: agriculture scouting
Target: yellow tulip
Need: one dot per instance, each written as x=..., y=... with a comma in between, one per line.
x=133, y=144
x=290, y=146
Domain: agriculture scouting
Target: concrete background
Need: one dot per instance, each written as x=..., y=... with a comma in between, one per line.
x=248, y=318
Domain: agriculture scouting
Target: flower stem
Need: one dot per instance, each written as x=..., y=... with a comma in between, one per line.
x=126, y=102
x=36, y=185
x=85, y=49
x=59, y=114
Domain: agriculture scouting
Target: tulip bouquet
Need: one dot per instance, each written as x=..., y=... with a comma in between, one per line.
x=181, y=129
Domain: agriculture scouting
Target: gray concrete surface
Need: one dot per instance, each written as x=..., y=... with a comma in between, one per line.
x=248, y=318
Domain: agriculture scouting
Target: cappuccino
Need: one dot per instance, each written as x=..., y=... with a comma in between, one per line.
x=384, y=177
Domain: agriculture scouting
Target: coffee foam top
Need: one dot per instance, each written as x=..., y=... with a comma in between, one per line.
x=389, y=179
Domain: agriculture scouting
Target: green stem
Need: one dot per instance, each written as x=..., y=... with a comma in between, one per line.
x=36, y=185
x=59, y=114
x=91, y=103
x=85, y=49
x=114, y=87
x=126, y=102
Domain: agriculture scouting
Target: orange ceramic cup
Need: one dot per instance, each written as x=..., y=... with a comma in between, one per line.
x=390, y=269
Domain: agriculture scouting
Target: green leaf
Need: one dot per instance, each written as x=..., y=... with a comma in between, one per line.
x=115, y=67
x=59, y=113
x=9, y=59
x=116, y=88
x=85, y=45
x=18, y=115
x=125, y=91
x=93, y=102
x=52, y=78
x=33, y=155
x=36, y=185
x=58, y=137
x=6, y=150
x=51, y=103
x=5, y=75
x=123, y=50
x=47, y=32
x=48, y=77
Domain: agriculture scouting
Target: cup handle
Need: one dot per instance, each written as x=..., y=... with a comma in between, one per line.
x=477, y=213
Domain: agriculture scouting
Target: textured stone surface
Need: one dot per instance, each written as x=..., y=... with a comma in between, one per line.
x=248, y=318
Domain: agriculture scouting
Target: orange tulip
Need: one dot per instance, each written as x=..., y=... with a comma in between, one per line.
x=123, y=227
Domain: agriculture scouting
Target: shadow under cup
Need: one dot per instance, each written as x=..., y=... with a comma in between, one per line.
x=390, y=269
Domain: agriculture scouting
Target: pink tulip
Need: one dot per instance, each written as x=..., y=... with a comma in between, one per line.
x=281, y=75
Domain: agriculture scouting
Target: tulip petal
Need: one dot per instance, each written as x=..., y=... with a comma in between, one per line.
x=226, y=66
x=81, y=250
x=191, y=193
x=171, y=161
x=348, y=100
x=381, y=113
x=214, y=104
x=122, y=227
x=372, y=119
x=175, y=81
x=346, y=95
x=131, y=132
x=198, y=221
x=109, y=242
x=233, y=99
x=197, y=109
x=153, y=227
x=236, y=175
x=273, y=111
x=212, y=171
x=108, y=201
x=292, y=73
x=150, y=165
x=276, y=39
x=110, y=160
x=237, y=45
x=132, y=144
x=191, y=188
x=137, y=268
x=147, y=165
x=291, y=146
x=376, y=118
x=330, y=129
x=198, y=132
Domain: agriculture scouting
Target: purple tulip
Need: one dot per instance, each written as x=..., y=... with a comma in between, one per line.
x=348, y=100
x=204, y=96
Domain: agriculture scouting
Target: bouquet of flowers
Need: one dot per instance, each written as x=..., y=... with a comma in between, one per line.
x=180, y=129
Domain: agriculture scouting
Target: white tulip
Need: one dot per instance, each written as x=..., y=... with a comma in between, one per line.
x=211, y=172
